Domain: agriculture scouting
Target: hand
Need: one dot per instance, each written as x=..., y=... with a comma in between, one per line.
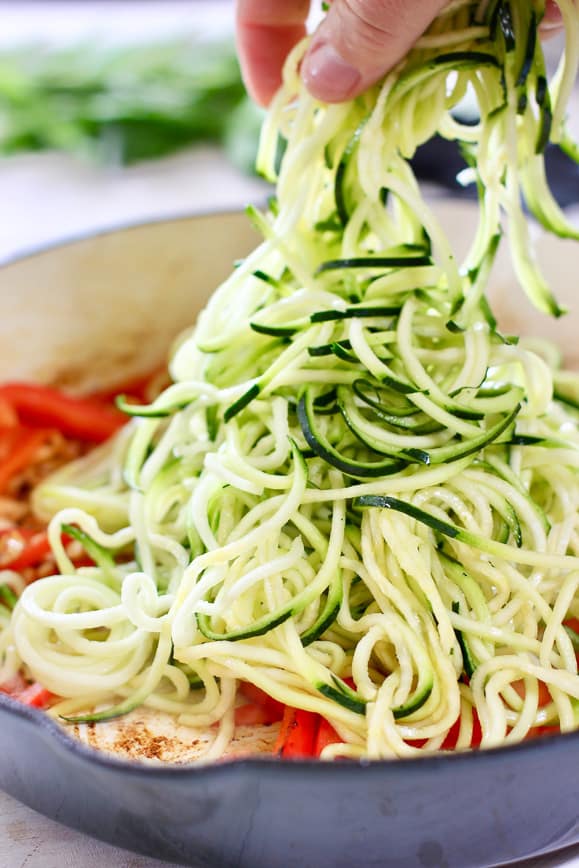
x=355, y=45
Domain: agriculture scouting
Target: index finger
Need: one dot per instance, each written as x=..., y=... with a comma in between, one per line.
x=553, y=20
x=267, y=30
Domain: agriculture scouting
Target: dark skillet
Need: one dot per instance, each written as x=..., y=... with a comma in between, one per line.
x=475, y=809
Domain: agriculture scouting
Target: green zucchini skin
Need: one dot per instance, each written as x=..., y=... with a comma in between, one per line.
x=323, y=448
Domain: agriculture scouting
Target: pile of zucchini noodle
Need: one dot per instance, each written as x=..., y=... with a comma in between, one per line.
x=356, y=494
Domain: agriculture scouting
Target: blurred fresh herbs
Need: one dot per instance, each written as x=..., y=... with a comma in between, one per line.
x=121, y=105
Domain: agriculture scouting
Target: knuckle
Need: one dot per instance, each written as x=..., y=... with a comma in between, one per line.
x=374, y=22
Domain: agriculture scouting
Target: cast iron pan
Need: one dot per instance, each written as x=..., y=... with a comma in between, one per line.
x=475, y=809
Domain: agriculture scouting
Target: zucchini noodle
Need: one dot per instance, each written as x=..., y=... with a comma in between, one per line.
x=357, y=494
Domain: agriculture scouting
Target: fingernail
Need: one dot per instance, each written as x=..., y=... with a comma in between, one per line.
x=327, y=75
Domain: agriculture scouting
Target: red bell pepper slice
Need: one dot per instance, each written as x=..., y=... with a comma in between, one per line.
x=21, y=455
x=8, y=416
x=36, y=696
x=297, y=735
x=287, y=720
x=476, y=737
x=253, y=714
x=541, y=731
x=33, y=547
x=451, y=739
x=261, y=708
x=544, y=695
x=14, y=685
x=136, y=388
x=258, y=696
x=326, y=735
x=83, y=418
x=304, y=734
x=573, y=624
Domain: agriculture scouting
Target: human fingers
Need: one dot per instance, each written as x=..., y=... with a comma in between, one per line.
x=267, y=30
x=360, y=40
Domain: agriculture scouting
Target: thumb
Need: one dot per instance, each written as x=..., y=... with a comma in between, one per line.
x=359, y=41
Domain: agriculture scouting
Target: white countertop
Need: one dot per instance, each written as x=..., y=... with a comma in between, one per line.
x=54, y=197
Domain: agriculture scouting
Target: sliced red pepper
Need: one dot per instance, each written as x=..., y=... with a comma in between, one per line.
x=9, y=438
x=453, y=733
x=260, y=697
x=33, y=547
x=36, y=696
x=253, y=714
x=304, y=734
x=326, y=735
x=544, y=699
x=544, y=696
x=33, y=694
x=22, y=454
x=476, y=737
x=14, y=685
x=261, y=709
x=298, y=733
x=8, y=416
x=136, y=388
x=573, y=624
x=541, y=731
x=289, y=716
x=82, y=561
x=84, y=418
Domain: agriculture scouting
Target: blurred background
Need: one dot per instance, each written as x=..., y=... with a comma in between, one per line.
x=120, y=110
